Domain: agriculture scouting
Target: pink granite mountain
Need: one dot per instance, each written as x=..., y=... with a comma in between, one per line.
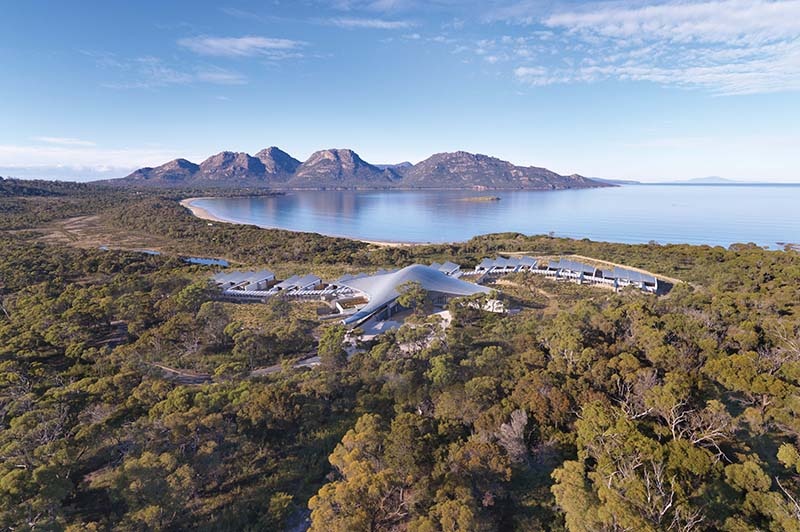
x=273, y=168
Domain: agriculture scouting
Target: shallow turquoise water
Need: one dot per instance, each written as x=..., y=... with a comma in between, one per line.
x=716, y=215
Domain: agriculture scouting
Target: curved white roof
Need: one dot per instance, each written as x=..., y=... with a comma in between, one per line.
x=382, y=289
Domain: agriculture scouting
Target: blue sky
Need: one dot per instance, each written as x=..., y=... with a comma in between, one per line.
x=632, y=90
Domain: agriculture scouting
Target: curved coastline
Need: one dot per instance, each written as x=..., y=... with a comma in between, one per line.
x=200, y=212
x=204, y=214
x=633, y=215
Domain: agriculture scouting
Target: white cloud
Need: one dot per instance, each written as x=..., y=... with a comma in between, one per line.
x=724, y=46
x=64, y=141
x=371, y=23
x=75, y=161
x=248, y=46
x=219, y=77
x=520, y=12
x=241, y=14
x=455, y=24
x=498, y=50
x=152, y=72
x=535, y=76
x=730, y=22
x=388, y=5
x=374, y=5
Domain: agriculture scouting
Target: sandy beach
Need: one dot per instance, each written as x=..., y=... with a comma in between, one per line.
x=199, y=211
x=205, y=215
x=388, y=244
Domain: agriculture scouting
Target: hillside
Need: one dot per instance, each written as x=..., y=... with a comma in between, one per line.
x=179, y=171
x=466, y=170
x=277, y=163
x=341, y=168
x=230, y=166
x=345, y=169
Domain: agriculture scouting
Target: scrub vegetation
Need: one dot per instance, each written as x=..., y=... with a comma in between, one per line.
x=588, y=410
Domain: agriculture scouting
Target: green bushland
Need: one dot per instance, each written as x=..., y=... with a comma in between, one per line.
x=588, y=410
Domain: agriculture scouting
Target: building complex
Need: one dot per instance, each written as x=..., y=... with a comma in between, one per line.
x=362, y=297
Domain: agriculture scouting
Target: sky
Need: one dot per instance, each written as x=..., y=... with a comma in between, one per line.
x=666, y=90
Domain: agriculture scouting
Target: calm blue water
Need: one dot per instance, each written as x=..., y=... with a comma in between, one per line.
x=716, y=215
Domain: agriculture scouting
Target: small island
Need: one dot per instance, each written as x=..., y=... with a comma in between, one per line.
x=480, y=199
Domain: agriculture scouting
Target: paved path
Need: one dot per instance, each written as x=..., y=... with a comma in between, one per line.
x=309, y=362
x=182, y=376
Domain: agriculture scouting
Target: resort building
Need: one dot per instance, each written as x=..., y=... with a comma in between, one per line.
x=502, y=265
x=625, y=277
x=616, y=277
x=359, y=297
x=297, y=283
x=382, y=290
x=244, y=281
x=569, y=269
x=258, y=286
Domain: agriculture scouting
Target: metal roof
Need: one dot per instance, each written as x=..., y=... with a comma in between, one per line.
x=633, y=276
x=571, y=265
x=296, y=281
x=502, y=262
x=288, y=283
x=382, y=289
x=505, y=263
x=237, y=278
x=486, y=264
x=515, y=262
x=308, y=280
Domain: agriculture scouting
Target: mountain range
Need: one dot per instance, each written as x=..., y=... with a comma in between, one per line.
x=343, y=169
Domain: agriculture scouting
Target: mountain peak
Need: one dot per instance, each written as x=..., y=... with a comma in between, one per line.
x=177, y=170
x=341, y=167
x=344, y=155
x=181, y=163
x=466, y=157
x=232, y=165
x=277, y=162
x=462, y=169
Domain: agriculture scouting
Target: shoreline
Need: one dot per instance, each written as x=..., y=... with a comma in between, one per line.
x=203, y=214
x=386, y=244
x=200, y=212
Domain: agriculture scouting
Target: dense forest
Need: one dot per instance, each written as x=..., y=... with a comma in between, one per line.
x=589, y=410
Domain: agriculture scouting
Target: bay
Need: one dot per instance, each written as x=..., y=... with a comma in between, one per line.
x=767, y=215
